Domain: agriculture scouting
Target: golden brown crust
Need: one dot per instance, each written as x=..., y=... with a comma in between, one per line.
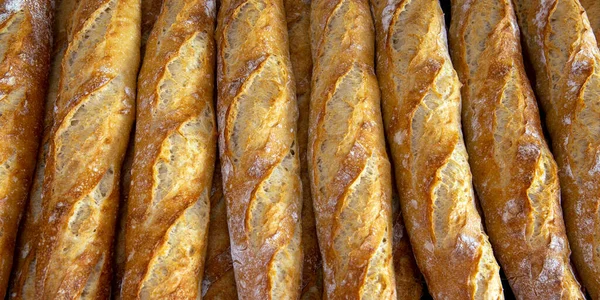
x=257, y=116
x=219, y=280
x=298, y=22
x=23, y=275
x=350, y=171
x=592, y=9
x=168, y=206
x=566, y=60
x=25, y=38
x=421, y=105
x=514, y=172
x=150, y=12
x=93, y=116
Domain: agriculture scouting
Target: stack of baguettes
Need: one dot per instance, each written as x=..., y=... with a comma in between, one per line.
x=301, y=202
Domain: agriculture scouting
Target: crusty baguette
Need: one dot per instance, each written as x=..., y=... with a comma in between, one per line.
x=93, y=116
x=257, y=116
x=25, y=38
x=592, y=9
x=175, y=144
x=421, y=106
x=298, y=23
x=219, y=281
x=350, y=171
x=566, y=60
x=150, y=11
x=514, y=173
x=23, y=274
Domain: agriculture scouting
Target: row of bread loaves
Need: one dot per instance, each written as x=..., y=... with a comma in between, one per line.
x=298, y=201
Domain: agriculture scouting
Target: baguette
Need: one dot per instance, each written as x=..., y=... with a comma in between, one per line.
x=22, y=284
x=421, y=109
x=566, y=60
x=592, y=9
x=219, y=281
x=93, y=116
x=25, y=38
x=150, y=11
x=350, y=172
x=298, y=23
x=257, y=116
x=169, y=202
x=514, y=173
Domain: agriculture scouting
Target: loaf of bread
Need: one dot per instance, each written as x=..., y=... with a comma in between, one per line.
x=150, y=11
x=350, y=171
x=514, y=173
x=218, y=282
x=298, y=23
x=25, y=39
x=592, y=9
x=566, y=60
x=421, y=106
x=257, y=116
x=93, y=116
x=175, y=149
x=22, y=284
